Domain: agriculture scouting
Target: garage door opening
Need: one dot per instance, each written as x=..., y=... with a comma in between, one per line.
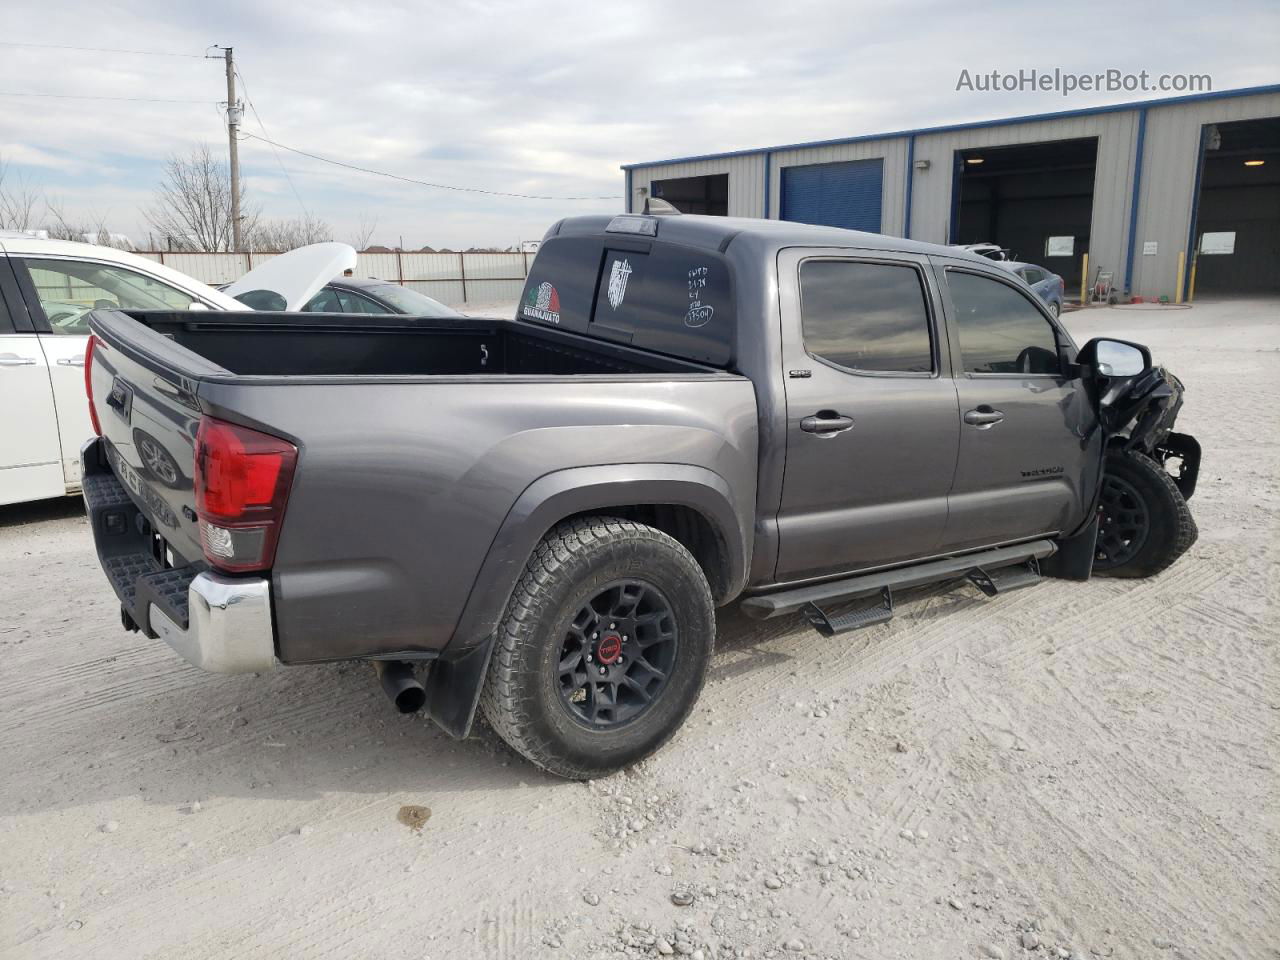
x=1237, y=220
x=709, y=195
x=1034, y=199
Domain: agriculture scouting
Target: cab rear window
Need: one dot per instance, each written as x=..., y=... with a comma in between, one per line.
x=667, y=298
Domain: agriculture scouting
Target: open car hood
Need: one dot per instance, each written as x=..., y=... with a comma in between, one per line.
x=288, y=281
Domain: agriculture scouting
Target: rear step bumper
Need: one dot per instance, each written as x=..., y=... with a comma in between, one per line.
x=229, y=625
x=789, y=601
x=221, y=624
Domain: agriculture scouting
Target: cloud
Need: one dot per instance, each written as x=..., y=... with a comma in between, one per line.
x=542, y=98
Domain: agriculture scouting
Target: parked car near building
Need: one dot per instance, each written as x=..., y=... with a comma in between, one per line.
x=540, y=514
x=47, y=290
x=1048, y=286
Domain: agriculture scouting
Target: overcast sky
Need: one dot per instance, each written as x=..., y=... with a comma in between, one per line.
x=538, y=97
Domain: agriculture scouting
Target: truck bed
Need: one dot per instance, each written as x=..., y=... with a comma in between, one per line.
x=415, y=440
x=309, y=345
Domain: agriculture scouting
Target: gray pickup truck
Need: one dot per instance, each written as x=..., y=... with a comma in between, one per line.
x=538, y=516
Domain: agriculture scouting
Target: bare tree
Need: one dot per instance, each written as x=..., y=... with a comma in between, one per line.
x=18, y=200
x=60, y=225
x=283, y=235
x=362, y=235
x=192, y=209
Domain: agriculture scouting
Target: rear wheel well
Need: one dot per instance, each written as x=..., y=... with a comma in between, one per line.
x=688, y=526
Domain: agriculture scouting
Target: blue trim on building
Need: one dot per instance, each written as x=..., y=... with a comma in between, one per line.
x=974, y=125
x=906, y=203
x=1195, y=212
x=953, y=222
x=1133, y=203
x=768, y=185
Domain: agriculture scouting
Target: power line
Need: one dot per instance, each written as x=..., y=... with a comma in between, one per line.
x=138, y=53
x=421, y=183
x=254, y=110
x=77, y=96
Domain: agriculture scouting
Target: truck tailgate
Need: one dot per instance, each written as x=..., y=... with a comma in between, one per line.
x=148, y=420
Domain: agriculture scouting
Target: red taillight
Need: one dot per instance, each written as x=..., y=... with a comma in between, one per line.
x=88, y=383
x=242, y=479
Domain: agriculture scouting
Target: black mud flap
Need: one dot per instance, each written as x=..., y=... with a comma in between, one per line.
x=453, y=688
x=1186, y=450
x=1074, y=558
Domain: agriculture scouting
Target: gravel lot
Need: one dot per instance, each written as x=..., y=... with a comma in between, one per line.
x=1073, y=770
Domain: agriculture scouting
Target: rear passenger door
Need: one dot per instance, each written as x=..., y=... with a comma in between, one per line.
x=1028, y=448
x=872, y=422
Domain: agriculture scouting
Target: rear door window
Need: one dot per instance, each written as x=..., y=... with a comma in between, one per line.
x=866, y=317
x=69, y=289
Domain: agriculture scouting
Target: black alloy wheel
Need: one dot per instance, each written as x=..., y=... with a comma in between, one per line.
x=617, y=654
x=1123, y=523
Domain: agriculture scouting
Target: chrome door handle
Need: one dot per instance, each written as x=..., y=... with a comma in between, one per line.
x=983, y=417
x=11, y=360
x=71, y=361
x=826, y=422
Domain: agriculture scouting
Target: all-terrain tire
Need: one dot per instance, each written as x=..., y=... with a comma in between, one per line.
x=1145, y=487
x=578, y=560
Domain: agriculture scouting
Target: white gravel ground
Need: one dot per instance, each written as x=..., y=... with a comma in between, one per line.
x=1073, y=770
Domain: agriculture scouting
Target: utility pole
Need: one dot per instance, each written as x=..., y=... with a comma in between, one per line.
x=233, y=127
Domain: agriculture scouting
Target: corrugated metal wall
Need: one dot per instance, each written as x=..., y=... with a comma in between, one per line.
x=1170, y=157
x=452, y=278
x=1170, y=154
x=746, y=181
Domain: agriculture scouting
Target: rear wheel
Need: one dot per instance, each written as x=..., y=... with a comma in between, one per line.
x=1144, y=523
x=1055, y=308
x=603, y=649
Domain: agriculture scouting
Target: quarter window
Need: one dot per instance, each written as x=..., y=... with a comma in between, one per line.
x=870, y=317
x=1001, y=331
x=69, y=289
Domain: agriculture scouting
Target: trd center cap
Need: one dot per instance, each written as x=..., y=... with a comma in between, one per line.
x=610, y=649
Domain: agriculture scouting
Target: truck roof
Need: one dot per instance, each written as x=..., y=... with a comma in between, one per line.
x=715, y=233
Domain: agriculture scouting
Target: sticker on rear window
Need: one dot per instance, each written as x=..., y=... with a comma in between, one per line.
x=542, y=303
x=618, y=276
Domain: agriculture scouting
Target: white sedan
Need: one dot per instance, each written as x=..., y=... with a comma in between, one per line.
x=47, y=290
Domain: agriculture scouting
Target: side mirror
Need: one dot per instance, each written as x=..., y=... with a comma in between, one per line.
x=1113, y=359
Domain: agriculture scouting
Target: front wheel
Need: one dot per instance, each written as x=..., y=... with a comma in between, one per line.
x=1144, y=523
x=603, y=649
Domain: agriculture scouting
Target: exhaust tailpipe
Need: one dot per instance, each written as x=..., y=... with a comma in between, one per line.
x=400, y=685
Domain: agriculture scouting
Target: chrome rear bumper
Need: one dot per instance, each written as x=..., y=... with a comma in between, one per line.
x=229, y=625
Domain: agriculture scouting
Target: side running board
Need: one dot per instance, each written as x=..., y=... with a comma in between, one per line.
x=991, y=571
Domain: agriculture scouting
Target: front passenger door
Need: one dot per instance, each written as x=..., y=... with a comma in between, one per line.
x=1029, y=447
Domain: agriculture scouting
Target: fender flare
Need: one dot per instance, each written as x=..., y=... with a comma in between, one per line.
x=457, y=677
x=554, y=496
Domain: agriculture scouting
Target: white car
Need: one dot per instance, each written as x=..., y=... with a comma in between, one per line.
x=47, y=290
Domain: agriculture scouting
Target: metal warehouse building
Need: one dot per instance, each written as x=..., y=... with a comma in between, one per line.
x=1155, y=193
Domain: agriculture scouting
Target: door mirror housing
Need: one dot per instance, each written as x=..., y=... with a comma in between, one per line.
x=1105, y=359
